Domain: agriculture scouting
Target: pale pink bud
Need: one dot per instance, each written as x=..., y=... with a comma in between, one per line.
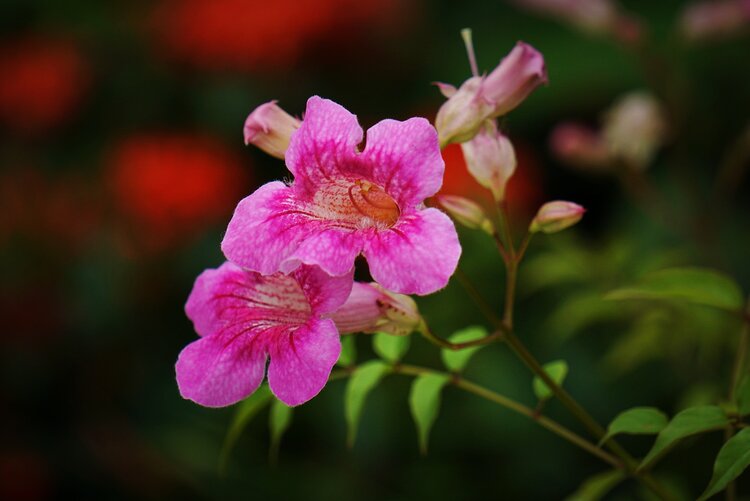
x=595, y=16
x=714, y=20
x=634, y=128
x=269, y=128
x=556, y=216
x=519, y=73
x=466, y=212
x=371, y=308
x=459, y=118
x=491, y=159
x=580, y=146
x=482, y=98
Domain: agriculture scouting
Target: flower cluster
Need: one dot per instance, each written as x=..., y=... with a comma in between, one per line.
x=287, y=290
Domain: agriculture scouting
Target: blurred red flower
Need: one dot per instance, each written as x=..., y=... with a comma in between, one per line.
x=43, y=82
x=524, y=193
x=169, y=187
x=258, y=34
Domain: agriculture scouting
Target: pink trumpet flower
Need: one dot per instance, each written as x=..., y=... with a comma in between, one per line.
x=244, y=318
x=345, y=202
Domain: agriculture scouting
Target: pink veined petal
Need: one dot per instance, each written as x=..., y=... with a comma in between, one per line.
x=324, y=292
x=332, y=249
x=267, y=226
x=201, y=304
x=405, y=160
x=216, y=372
x=326, y=141
x=302, y=360
x=417, y=256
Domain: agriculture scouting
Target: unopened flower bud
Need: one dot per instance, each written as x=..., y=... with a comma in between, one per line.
x=519, y=73
x=580, y=146
x=482, y=98
x=634, y=128
x=593, y=16
x=269, y=128
x=556, y=216
x=467, y=212
x=714, y=20
x=491, y=159
x=370, y=308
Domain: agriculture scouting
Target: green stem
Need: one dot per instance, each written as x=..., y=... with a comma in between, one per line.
x=498, y=335
x=518, y=408
x=593, y=427
x=474, y=294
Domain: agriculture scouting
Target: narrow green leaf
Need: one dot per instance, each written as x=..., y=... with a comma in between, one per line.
x=695, y=285
x=557, y=370
x=457, y=360
x=362, y=382
x=348, y=351
x=246, y=410
x=424, y=401
x=637, y=421
x=597, y=486
x=743, y=397
x=279, y=420
x=688, y=422
x=390, y=347
x=733, y=459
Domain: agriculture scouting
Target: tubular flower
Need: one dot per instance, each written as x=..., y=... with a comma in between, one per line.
x=344, y=202
x=481, y=98
x=269, y=128
x=244, y=318
x=370, y=308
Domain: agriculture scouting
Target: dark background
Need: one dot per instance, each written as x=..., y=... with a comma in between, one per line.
x=121, y=159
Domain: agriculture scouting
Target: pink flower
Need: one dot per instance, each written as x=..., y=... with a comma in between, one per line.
x=344, y=202
x=370, y=308
x=556, y=216
x=480, y=98
x=244, y=317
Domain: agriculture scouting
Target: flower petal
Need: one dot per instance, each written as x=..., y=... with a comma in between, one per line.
x=417, y=256
x=331, y=249
x=324, y=292
x=301, y=361
x=215, y=373
x=326, y=140
x=267, y=227
x=405, y=159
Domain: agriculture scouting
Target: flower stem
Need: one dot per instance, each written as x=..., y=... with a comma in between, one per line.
x=474, y=294
x=520, y=350
x=518, y=408
x=498, y=335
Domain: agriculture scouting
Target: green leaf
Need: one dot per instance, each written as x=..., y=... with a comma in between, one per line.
x=557, y=370
x=246, y=410
x=457, y=360
x=362, y=382
x=637, y=421
x=597, y=486
x=279, y=420
x=688, y=422
x=732, y=460
x=695, y=285
x=743, y=397
x=348, y=351
x=390, y=347
x=424, y=401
